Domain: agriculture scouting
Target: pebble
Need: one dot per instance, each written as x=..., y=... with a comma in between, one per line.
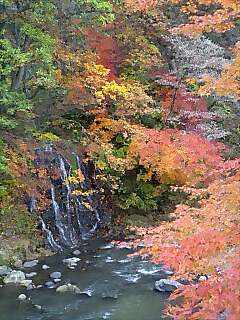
x=55, y=275
x=77, y=252
x=26, y=283
x=37, y=306
x=166, y=285
x=57, y=280
x=30, y=264
x=45, y=267
x=50, y=285
x=31, y=274
x=22, y=297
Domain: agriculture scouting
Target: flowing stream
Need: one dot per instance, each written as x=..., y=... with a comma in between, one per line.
x=113, y=285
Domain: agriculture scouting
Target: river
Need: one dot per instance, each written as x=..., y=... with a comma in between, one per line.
x=116, y=286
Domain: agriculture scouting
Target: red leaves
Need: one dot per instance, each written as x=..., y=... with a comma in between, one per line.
x=177, y=157
x=203, y=240
x=107, y=49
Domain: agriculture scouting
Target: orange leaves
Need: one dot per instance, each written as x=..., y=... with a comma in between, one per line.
x=203, y=240
x=228, y=83
x=221, y=20
x=175, y=156
x=141, y=5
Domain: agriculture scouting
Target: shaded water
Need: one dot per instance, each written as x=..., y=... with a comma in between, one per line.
x=121, y=288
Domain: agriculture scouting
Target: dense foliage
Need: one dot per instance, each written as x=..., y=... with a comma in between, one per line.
x=97, y=76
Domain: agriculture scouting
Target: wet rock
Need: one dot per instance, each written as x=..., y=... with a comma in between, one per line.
x=55, y=275
x=30, y=264
x=76, y=252
x=31, y=274
x=57, y=280
x=14, y=277
x=107, y=246
x=113, y=294
x=26, y=283
x=166, y=285
x=22, y=297
x=71, y=262
x=202, y=278
x=50, y=284
x=38, y=307
x=45, y=267
x=4, y=270
x=68, y=288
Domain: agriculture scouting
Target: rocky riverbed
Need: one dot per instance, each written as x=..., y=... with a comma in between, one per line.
x=96, y=281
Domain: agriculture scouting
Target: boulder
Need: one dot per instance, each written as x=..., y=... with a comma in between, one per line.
x=166, y=285
x=45, y=267
x=26, y=283
x=31, y=274
x=14, y=277
x=22, y=297
x=4, y=270
x=55, y=275
x=71, y=262
x=68, y=288
x=76, y=252
x=50, y=284
x=30, y=264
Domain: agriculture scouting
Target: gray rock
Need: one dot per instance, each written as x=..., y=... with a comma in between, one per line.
x=71, y=262
x=57, y=280
x=166, y=285
x=22, y=297
x=113, y=294
x=202, y=278
x=68, y=288
x=30, y=264
x=4, y=270
x=77, y=252
x=45, y=267
x=31, y=274
x=26, y=283
x=14, y=277
x=55, y=275
x=50, y=284
x=37, y=306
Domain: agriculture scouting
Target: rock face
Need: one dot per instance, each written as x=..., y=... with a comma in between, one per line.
x=166, y=285
x=14, y=277
x=68, y=288
x=30, y=264
x=4, y=270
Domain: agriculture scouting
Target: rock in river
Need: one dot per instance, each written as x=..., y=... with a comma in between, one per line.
x=68, y=288
x=166, y=285
x=22, y=297
x=14, y=277
x=55, y=275
x=30, y=264
x=4, y=270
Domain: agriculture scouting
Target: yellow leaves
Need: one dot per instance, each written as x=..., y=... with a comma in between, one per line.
x=112, y=90
x=76, y=178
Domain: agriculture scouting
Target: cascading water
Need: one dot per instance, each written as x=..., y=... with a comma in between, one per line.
x=75, y=213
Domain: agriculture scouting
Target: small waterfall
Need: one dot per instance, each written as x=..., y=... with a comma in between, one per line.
x=75, y=213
